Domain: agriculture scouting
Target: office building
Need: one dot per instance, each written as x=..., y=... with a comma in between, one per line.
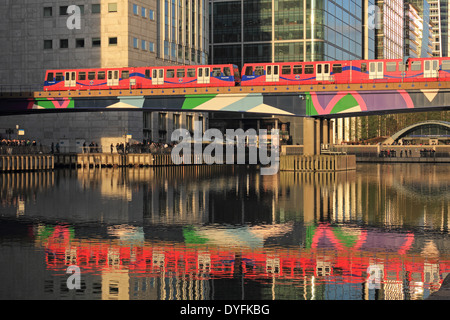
x=418, y=35
x=41, y=35
x=289, y=30
x=389, y=34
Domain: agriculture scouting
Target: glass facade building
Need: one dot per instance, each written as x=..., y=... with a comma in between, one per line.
x=289, y=30
x=418, y=29
x=389, y=35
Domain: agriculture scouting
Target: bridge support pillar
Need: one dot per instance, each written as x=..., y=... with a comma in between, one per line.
x=315, y=133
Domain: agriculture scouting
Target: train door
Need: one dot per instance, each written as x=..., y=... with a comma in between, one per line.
x=376, y=70
x=204, y=76
x=157, y=77
x=323, y=72
x=431, y=69
x=113, y=78
x=70, y=79
x=272, y=73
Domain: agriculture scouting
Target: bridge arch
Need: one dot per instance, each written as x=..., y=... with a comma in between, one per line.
x=427, y=132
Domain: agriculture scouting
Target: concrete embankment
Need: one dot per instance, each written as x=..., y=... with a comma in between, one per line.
x=317, y=163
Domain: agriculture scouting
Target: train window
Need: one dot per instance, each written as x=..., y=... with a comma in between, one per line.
x=309, y=69
x=101, y=75
x=91, y=75
x=298, y=69
x=216, y=72
x=249, y=71
x=81, y=75
x=125, y=74
x=286, y=70
x=59, y=76
x=416, y=66
x=170, y=73
x=319, y=68
x=147, y=73
x=363, y=67
x=259, y=71
x=337, y=68
x=50, y=76
x=181, y=73
x=391, y=66
x=226, y=71
x=446, y=65
x=191, y=73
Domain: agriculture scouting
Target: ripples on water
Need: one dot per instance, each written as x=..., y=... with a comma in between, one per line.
x=222, y=233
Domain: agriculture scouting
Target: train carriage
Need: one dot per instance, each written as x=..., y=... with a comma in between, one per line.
x=142, y=77
x=350, y=71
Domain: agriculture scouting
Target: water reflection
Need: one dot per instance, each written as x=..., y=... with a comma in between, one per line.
x=226, y=233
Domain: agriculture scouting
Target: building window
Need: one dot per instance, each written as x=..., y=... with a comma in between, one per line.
x=96, y=42
x=79, y=43
x=63, y=10
x=135, y=43
x=135, y=9
x=48, y=44
x=151, y=14
x=176, y=121
x=143, y=45
x=151, y=46
x=112, y=7
x=143, y=12
x=190, y=123
x=48, y=11
x=64, y=43
x=96, y=8
x=113, y=41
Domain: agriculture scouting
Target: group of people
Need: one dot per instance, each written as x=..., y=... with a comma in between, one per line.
x=91, y=148
x=392, y=153
x=144, y=147
x=19, y=146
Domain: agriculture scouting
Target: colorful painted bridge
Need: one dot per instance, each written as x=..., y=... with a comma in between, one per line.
x=323, y=101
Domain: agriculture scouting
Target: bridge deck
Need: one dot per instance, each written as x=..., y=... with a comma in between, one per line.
x=375, y=86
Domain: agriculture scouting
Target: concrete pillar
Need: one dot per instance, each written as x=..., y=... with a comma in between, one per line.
x=331, y=132
x=309, y=136
x=325, y=131
x=318, y=135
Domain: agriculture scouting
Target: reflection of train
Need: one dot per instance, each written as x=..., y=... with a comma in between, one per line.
x=254, y=74
x=332, y=255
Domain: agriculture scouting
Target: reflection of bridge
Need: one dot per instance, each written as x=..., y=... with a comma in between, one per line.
x=127, y=258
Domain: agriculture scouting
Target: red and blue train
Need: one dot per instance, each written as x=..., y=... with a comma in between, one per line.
x=252, y=74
